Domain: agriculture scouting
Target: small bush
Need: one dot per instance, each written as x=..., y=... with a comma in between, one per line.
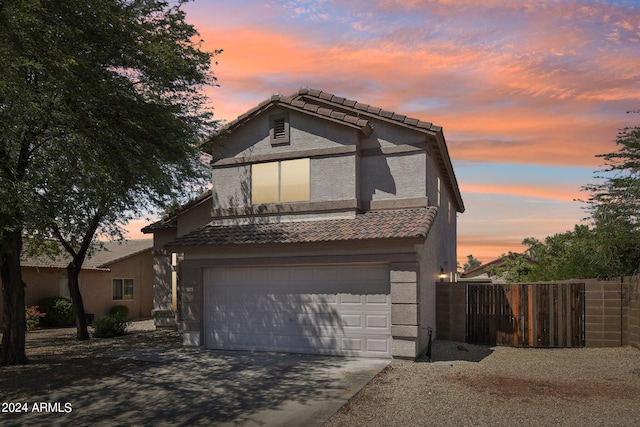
x=32, y=316
x=121, y=311
x=58, y=310
x=109, y=327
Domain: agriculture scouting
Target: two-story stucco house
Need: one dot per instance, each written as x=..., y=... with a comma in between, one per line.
x=327, y=228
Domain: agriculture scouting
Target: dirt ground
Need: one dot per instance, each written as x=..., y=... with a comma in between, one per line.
x=57, y=360
x=471, y=385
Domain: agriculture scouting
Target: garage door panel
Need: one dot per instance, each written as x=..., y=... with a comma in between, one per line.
x=342, y=310
x=378, y=346
x=377, y=321
x=352, y=321
x=381, y=299
x=351, y=299
x=352, y=344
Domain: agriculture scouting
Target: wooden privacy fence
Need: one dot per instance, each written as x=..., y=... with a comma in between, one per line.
x=526, y=315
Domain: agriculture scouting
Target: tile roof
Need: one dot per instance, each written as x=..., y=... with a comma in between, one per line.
x=312, y=94
x=391, y=224
x=111, y=252
x=170, y=219
x=297, y=103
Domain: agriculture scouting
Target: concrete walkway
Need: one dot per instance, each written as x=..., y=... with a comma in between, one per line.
x=196, y=387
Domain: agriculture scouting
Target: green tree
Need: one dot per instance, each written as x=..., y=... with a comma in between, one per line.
x=614, y=205
x=569, y=255
x=101, y=117
x=471, y=263
x=514, y=268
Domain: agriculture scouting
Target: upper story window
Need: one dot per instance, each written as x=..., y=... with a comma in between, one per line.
x=279, y=129
x=279, y=182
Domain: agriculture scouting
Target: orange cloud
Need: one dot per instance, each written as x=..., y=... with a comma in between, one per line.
x=565, y=193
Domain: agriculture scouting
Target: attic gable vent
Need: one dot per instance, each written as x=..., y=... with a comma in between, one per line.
x=279, y=131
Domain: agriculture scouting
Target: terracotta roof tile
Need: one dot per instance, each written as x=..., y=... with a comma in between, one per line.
x=325, y=111
x=392, y=224
x=300, y=102
x=386, y=114
x=339, y=115
x=325, y=96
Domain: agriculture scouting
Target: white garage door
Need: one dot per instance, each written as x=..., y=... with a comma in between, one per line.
x=340, y=310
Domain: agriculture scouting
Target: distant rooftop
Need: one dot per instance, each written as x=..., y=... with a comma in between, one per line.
x=111, y=252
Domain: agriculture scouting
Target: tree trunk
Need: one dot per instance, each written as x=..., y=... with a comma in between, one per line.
x=14, y=322
x=73, y=273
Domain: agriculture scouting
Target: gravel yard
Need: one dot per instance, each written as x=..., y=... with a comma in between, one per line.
x=469, y=385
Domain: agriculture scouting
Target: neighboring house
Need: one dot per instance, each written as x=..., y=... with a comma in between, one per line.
x=481, y=274
x=119, y=274
x=326, y=230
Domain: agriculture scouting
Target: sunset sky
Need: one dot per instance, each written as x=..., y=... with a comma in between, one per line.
x=528, y=92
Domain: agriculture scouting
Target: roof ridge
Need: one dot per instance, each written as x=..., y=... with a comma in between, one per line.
x=294, y=101
x=366, y=108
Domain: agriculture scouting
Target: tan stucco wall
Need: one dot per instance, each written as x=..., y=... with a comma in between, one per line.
x=96, y=286
x=140, y=269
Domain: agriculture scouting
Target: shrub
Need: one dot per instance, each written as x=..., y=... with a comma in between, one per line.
x=109, y=327
x=33, y=316
x=58, y=310
x=121, y=311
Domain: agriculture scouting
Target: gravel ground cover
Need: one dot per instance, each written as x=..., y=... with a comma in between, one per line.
x=469, y=385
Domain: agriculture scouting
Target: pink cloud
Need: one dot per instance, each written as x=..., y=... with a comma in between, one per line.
x=539, y=83
x=565, y=193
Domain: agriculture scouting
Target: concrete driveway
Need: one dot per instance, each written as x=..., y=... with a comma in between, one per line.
x=206, y=387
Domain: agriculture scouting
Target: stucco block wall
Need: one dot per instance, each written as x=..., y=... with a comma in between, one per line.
x=612, y=312
x=399, y=176
x=231, y=187
x=163, y=313
x=405, y=308
x=191, y=294
x=333, y=178
x=386, y=135
x=305, y=133
x=633, y=324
